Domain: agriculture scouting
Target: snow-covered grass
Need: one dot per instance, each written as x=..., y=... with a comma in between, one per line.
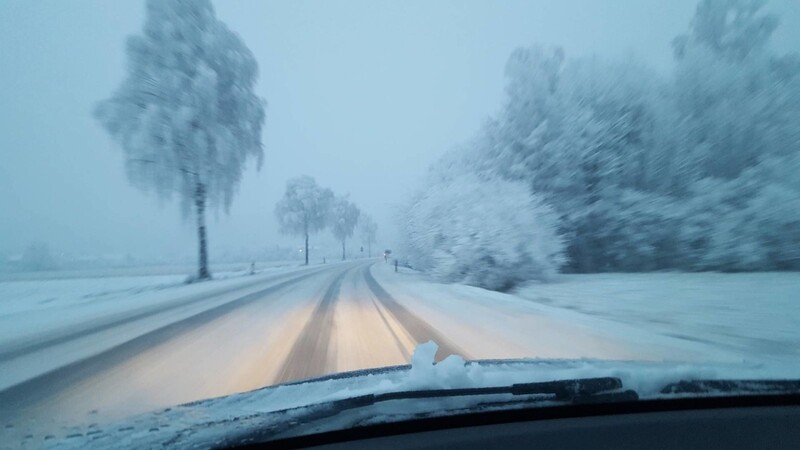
x=700, y=317
x=35, y=295
x=218, y=270
x=32, y=292
x=753, y=313
x=489, y=324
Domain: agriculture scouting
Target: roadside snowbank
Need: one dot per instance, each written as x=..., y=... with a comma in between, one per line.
x=750, y=313
x=491, y=324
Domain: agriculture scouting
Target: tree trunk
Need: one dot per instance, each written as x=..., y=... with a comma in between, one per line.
x=200, y=203
x=306, y=248
x=369, y=249
x=342, y=249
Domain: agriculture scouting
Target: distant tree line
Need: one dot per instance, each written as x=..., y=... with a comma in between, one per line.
x=696, y=171
x=307, y=208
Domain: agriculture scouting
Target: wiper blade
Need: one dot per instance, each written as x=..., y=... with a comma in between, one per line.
x=560, y=390
x=732, y=386
x=577, y=391
x=574, y=391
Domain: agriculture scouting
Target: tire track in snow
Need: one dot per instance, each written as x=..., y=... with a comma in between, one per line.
x=397, y=341
x=43, y=386
x=309, y=355
x=14, y=351
x=417, y=328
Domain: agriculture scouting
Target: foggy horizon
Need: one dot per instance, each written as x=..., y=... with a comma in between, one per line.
x=363, y=116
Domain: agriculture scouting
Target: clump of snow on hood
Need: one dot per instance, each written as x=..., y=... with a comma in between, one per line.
x=451, y=372
x=422, y=359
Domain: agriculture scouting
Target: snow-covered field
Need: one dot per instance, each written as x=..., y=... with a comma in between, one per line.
x=182, y=270
x=750, y=313
x=37, y=291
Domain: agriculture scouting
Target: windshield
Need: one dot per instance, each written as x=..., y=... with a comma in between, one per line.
x=205, y=198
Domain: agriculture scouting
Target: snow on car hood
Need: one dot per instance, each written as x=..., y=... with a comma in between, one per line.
x=215, y=422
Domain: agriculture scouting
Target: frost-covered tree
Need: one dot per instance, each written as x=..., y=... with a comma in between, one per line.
x=343, y=220
x=368, y=231
x=748, y=223
x=740, y=138
x=696, y=170
x=304, y=209
x=186, y=115
x=734, y=29
x=576, y=131
x=739, y=101
x=489, y=233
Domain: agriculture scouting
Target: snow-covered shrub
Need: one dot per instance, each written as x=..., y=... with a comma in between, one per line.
x=488, y=233
x=750, y=223
x=693, y=170
x=629, y=230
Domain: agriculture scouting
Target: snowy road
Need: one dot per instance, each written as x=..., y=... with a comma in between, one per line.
x=281, y=327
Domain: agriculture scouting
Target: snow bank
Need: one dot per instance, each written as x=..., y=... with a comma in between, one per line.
x=754, y=314
x=490, y=324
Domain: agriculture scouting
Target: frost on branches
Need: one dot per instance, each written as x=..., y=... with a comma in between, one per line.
x=304, y=208
x=368, y=231
x=493, y=234
x=186, y=115
x=343, y=220
x=696, y=170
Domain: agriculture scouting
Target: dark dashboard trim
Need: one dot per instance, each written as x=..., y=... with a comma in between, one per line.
x=520, y=415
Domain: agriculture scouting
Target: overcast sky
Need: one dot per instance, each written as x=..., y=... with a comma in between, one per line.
x=363, y=95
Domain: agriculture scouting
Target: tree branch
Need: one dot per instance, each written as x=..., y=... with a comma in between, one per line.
x=150, y=161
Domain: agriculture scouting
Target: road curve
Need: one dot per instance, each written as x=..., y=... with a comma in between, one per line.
x=297, y=326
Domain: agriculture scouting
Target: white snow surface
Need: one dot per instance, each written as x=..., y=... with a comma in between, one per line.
x=489, y=324
x=747, y=313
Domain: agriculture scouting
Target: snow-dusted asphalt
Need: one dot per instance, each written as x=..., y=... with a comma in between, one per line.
x=293, y=325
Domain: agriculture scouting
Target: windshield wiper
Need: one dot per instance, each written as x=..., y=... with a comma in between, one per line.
x=574, y=391
x=603, y=390
x=582, y=390
x=733, y=386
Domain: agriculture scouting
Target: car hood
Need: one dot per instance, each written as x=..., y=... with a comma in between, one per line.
x=316, y=405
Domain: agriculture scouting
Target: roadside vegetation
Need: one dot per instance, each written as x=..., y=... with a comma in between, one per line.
x=631, y=170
